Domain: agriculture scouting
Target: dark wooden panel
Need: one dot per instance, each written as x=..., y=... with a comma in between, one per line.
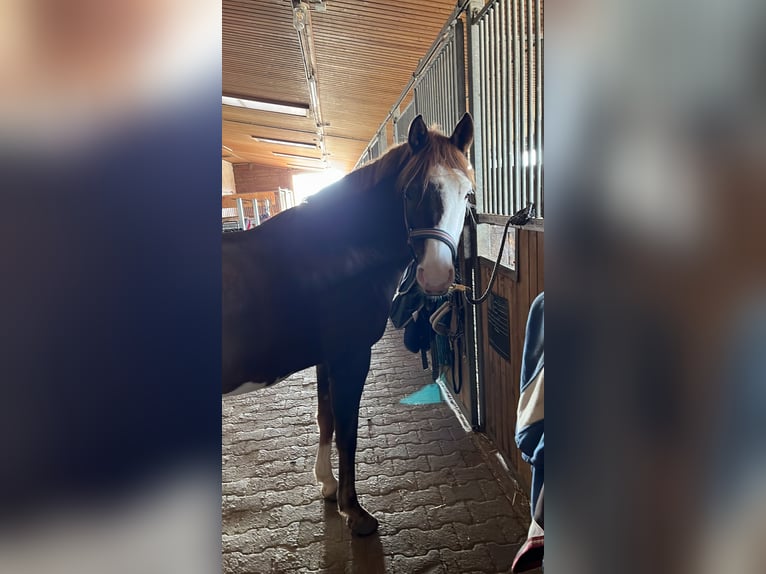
x=533, y=275
x=497, y=324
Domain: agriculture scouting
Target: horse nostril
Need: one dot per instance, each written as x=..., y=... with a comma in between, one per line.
x=438, y=283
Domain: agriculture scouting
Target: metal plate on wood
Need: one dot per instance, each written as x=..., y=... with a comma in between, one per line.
x=498, y=326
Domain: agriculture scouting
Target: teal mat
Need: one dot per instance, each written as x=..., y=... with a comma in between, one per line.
x=427, y=395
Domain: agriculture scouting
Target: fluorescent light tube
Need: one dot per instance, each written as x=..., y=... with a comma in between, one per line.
x=294, y=156
x=285, y=142
x=295, y=110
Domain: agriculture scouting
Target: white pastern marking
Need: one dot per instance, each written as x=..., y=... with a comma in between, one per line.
x=323, y=470
x=250, y=387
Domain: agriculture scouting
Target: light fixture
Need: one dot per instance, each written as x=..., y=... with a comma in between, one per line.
x=285, y=142
x=294, y=156
x=307, y=167
x=292, y=109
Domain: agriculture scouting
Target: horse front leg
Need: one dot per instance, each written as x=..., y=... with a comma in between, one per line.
x=326, y=424
x=347, y=377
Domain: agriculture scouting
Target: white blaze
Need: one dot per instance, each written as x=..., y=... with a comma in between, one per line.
x=435, y=272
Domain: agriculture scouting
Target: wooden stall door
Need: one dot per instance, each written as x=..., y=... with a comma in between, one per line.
x=500, y=376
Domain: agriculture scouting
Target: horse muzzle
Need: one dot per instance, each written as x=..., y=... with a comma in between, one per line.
x=436, y=271
x=435, y=280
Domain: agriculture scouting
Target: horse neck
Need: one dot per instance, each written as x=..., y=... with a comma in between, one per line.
x=378, y=214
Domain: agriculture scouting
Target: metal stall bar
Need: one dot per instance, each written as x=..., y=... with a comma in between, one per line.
x=450, y=110
x=424, y=62
x=486, y=113
x=503, y=189
x=524, y=97
x=445, y=87
x=492, y=119
x=256, y=215
x=530, y=103
x=501, y=111
x=449, y=95
x=440, y=79
x=444, y=98
x=240, y=213
x=517, y=135
x=487, y=76
x=421, y=99
x=475, y=36
x=451, y=75
x=437, y=103
x=458, y=57
x=439, y=88
x=440, y=85
x=484, y=90
x=508, y=154
x=404, y=121
x=424, y=99
x=492, y=149
x=524, y=143
x=539, y=111
x=474, y=89
x=383, y=140
x=430, y=89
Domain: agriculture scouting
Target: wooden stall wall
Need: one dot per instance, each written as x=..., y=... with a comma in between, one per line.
x=499, y=376
x=273, y=197
x=253, y=178
x=228, y=185
x=260, y=182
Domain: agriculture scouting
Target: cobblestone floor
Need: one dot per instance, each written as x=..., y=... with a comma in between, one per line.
x=443, y=502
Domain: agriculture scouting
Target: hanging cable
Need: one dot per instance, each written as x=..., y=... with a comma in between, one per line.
x=521, y=217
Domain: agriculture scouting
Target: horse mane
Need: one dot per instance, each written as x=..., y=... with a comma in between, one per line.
x=407, y=167
x=438, y=150
x=371, y=174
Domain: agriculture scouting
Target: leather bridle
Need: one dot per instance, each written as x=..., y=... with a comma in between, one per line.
x=427, y=233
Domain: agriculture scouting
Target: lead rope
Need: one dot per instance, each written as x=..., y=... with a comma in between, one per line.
x=521, y=217
x=455, y=342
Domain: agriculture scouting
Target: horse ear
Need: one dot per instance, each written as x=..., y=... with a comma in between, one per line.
x=462, y=136
x=418, y=134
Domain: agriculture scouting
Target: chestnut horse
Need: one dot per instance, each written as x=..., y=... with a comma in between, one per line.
x=313, y=285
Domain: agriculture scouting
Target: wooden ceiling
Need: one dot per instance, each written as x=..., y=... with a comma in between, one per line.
x=366, y=51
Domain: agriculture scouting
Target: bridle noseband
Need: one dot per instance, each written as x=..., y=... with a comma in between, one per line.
x=431, y=233
x=427, y=233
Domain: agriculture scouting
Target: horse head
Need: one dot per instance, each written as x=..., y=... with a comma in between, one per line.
x=435, y=185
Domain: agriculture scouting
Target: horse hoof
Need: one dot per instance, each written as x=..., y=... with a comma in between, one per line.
x=363, y=524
